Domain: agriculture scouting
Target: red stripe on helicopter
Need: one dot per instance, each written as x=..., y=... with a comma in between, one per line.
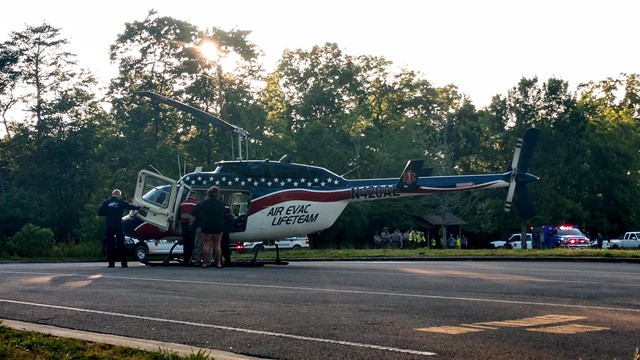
x=459, y=187
x=297, y=195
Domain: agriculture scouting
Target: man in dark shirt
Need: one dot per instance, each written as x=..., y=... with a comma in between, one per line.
x=112, y=209
x=187, y=236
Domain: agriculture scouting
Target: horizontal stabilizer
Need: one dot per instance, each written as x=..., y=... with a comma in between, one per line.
x=409, y=178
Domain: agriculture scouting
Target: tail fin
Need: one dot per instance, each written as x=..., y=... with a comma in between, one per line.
x=518, y=192
x=412, y=171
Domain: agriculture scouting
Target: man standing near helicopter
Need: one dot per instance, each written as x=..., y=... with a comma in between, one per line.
x=112, y=209
x=188, y=237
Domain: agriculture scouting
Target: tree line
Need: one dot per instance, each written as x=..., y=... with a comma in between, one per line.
x=63, y=151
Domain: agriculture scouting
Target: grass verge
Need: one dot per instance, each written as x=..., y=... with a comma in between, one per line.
x=23, y=345
x=439, y=253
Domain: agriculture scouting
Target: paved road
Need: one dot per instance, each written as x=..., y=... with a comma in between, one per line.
x=339, y=310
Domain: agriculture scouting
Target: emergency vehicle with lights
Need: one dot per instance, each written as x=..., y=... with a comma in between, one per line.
x=566, y=236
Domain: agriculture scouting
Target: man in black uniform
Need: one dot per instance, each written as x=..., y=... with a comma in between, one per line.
x=112, y=209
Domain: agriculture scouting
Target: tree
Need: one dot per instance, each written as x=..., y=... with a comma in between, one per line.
x=50, y=158
x=9, y=75
x=164, y=55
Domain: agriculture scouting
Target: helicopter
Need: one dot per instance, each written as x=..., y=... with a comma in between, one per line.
x=270, y=200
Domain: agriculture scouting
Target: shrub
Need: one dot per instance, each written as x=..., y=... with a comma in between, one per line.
x=31, y=241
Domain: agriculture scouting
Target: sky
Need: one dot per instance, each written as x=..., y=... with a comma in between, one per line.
x=482, y=46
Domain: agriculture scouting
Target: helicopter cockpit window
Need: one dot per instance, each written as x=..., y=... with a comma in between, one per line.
x=156, y=192
x=240, y=204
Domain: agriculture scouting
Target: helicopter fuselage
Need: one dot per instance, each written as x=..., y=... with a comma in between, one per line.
x=272, y=200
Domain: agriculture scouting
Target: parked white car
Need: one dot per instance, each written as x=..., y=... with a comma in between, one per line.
x=141, y=250
x=291, y=243
x=514, y=242
x=630, y=240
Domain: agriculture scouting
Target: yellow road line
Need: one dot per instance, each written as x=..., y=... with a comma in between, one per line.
x=533, y=321
x=451, y=330
x=480, y=326
x=568, y=329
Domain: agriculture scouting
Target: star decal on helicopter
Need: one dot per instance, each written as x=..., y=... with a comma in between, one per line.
x=226, y=180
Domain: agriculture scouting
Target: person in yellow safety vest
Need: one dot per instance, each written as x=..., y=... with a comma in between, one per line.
x=433, y=243
x=458, y=242
x=420, y=238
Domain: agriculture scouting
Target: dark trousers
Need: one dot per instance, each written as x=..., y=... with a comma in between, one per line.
x=114, y=245
x=187, y=243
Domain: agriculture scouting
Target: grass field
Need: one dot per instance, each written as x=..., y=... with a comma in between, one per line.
x=439, y=253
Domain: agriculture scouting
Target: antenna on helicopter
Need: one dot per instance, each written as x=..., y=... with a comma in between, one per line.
x=355, y=168
x=156, y=170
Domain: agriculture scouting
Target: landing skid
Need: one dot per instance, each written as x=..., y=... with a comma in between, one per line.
x=277, y=261
x=178, y=263
x=173, y=260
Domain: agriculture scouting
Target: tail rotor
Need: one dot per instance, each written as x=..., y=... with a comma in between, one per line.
x=518, y=193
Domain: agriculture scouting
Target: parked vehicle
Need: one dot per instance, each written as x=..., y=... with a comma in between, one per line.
x=514, y=242
x=567, y=236
x=630, y=240
x=143, y=250
x=291, y=243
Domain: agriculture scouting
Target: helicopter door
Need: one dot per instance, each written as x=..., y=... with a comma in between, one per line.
x=183, y=191
x=156, y=196
x=239, y=205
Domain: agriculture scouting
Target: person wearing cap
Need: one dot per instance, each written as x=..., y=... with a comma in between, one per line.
x=112, y=209
x=187, y=236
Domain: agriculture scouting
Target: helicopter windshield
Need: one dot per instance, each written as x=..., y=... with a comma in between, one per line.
x=158, y=195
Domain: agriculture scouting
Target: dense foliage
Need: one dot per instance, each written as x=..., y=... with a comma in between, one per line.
x=352, y=114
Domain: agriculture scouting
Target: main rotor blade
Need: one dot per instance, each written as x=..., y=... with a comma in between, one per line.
x=214, y=120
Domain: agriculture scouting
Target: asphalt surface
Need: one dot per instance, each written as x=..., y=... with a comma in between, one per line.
x=444, y=308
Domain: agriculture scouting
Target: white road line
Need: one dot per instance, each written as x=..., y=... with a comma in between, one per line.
x=228, y=328
x=361, y=292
